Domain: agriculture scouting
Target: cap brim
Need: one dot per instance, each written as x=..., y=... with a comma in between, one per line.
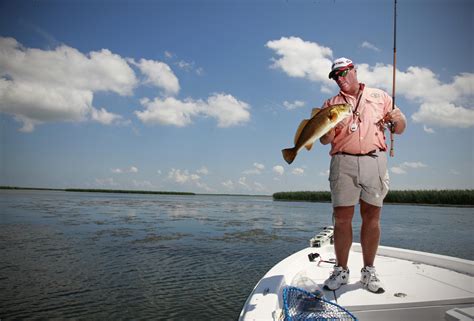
x=333, y=72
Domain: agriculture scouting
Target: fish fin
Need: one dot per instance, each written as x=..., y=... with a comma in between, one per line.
x=315, y=111
x=289, y=154
x=300, y=129
x=309, y=146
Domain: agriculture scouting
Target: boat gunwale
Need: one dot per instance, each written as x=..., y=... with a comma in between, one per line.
x=437, y=260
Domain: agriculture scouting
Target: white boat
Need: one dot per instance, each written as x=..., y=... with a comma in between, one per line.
x=418, y=285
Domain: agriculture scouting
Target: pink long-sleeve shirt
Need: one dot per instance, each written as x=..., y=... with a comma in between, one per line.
x=374, y=105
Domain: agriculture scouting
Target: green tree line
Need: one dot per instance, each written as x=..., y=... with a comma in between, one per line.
x=432, y=197
x=95, y=190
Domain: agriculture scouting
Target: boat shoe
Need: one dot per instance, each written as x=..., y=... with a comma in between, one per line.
x=338, y=277
x=370, y=280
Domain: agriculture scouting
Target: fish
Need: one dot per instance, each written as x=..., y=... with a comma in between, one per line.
x=320, y=123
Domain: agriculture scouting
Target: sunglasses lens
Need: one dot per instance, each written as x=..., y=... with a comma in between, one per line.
x=341, y=74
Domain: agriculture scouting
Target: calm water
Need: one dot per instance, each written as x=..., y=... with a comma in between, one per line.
x=117, y=256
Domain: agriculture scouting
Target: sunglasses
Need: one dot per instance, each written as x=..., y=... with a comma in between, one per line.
x=341, y=74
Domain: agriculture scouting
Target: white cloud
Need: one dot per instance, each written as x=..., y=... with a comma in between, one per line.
x=326, y=89
x=441, y=104
x=293, y=105
x=244, y=185
x=243, y=182
x=402, y=168
x=96, y=71
x=200, y=71
x=187, y=66
x=228, y=184
x=252, y=171
x=370, y=46
x=169, y=111
x=204, y=186
x=278, y=169
x=413, y=165
x=428, y=130
x=398, y=170
x=39, y=86
x=258, y=168
x=160, y=75
x=104, y=117
x=178, y=176
x=258, y=187
x=302, y=59
x=298, y=171
x=184, y=65
x=142, y=184
x=203, y=171
x=105, y=182
x=131, y=169
x=325, y=173
x=227, y=110
x=185, y=177
x=444, y=114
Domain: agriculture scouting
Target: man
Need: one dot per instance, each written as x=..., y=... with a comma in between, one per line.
x=358, y=170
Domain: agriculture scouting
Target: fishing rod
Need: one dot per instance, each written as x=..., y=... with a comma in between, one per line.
x=392, y=127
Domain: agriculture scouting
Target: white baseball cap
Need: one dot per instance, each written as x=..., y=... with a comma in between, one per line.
x=340, y=64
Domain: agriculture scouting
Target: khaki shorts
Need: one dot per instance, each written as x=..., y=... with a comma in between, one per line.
x=353, y=178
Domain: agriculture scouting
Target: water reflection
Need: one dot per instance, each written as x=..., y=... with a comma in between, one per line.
x=107, y=256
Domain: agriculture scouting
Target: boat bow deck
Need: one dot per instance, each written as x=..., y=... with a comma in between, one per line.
x=419, y=286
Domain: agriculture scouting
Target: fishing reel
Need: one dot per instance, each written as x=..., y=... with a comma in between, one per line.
x=313, y=256
x=384, y=123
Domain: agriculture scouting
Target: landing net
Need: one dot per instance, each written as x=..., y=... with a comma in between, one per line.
x=299, y=305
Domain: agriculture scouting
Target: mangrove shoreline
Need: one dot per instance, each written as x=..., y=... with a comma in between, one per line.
x=464, y=198
x=94, y=190
x=454, y=198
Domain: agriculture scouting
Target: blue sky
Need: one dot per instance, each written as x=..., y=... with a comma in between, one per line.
x=201, y=96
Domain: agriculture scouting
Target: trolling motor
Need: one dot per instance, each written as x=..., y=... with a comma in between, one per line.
x=326, y=236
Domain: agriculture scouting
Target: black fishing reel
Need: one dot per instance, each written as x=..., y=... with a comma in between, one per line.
x=312, y=256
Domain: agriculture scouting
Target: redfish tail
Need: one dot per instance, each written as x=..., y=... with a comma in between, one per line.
x=289, y=154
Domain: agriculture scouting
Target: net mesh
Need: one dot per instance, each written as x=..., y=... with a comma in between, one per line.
x=299, y=304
